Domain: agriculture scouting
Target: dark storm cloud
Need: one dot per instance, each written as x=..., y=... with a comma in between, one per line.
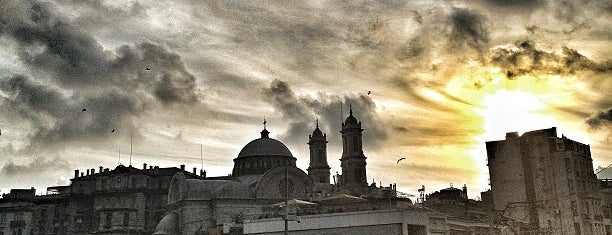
x=113, y=86
x=57, y=118
x=514, y=5
x=600, y=119
x=50, y=43
x=302, y=112
x=468, y=30
x=526, y=59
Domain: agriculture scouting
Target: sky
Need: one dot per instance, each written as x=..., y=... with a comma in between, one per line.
x=90, y=83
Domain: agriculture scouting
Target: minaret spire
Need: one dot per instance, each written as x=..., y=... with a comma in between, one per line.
x=350, y=110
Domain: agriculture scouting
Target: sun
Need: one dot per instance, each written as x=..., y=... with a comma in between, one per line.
x=513, y=110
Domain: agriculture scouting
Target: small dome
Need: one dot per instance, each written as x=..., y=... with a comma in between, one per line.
x=351, y=120
x=167, y=225
x=265, y=147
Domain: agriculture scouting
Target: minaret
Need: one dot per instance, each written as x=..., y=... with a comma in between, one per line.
x=353, y=161
x=318, y=169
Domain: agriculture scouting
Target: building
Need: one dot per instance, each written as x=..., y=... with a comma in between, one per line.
x=395, y=221
x=17, y=212
x=125, y=200
x=264, y=174
x=541, y=183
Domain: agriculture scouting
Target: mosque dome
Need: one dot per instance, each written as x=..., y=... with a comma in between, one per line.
x=261, y=155
x=265, y=147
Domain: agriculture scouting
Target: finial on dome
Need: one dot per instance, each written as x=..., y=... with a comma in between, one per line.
x=317, y=123
x=350, y=110
x=264, y=132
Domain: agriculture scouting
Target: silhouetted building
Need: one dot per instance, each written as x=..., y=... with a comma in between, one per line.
x=318, y=169
x=544, y=184
x=353, y=161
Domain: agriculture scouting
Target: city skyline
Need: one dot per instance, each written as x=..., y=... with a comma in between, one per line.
x=430, y=81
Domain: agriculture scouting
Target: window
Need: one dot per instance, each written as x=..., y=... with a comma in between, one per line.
x=109, y=217
x=126, y=219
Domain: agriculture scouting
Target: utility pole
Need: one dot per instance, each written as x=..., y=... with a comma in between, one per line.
x=286, y=200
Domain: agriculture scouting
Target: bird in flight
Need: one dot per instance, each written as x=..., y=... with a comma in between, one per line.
x=369, y=92
x=398, y=160
x=83, y=110
x=147, y=68
x=113, y=130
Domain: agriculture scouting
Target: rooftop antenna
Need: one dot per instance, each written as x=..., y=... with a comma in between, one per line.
x=341, y=115
x=130, y=149
x=201, y=159
x=119, y=156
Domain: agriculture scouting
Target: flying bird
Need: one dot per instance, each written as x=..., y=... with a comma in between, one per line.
x=398, y=160
x=147, y=68
x=369, y=92
x=83, y=110
x=113, y=130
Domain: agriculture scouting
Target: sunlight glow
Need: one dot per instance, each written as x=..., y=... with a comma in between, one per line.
x=508, y=111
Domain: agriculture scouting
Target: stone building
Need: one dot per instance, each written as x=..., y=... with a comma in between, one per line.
x=265, y=173
x=541, y=183
x=17, y=212
x=125, y=200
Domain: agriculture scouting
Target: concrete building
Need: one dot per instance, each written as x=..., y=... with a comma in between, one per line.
x=543, y=184
x=396, y=221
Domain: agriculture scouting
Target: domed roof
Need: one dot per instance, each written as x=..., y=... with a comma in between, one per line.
x=317, y=131
x=351, y=120
x=265, y=146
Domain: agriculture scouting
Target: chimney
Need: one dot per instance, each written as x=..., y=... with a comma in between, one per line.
x=144, y=166
x=182, y=167
x=82, y=174
x=194, y=170
x=88, y=172
x=93, y=171
x=203, y=173
x=101, y=169
x=150, y=167
x=76, y=173
x=105, y=169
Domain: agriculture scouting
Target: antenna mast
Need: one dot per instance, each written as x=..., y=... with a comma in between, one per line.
x=201, y=159
x=130, y=149
x=341, y=115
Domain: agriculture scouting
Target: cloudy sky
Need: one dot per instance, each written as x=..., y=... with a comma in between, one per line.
x=444, y=76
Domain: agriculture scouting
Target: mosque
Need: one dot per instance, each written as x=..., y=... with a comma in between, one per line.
x=265, y=173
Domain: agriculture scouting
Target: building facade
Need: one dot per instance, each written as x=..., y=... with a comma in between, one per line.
x=125, y=200
x=545, y=184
